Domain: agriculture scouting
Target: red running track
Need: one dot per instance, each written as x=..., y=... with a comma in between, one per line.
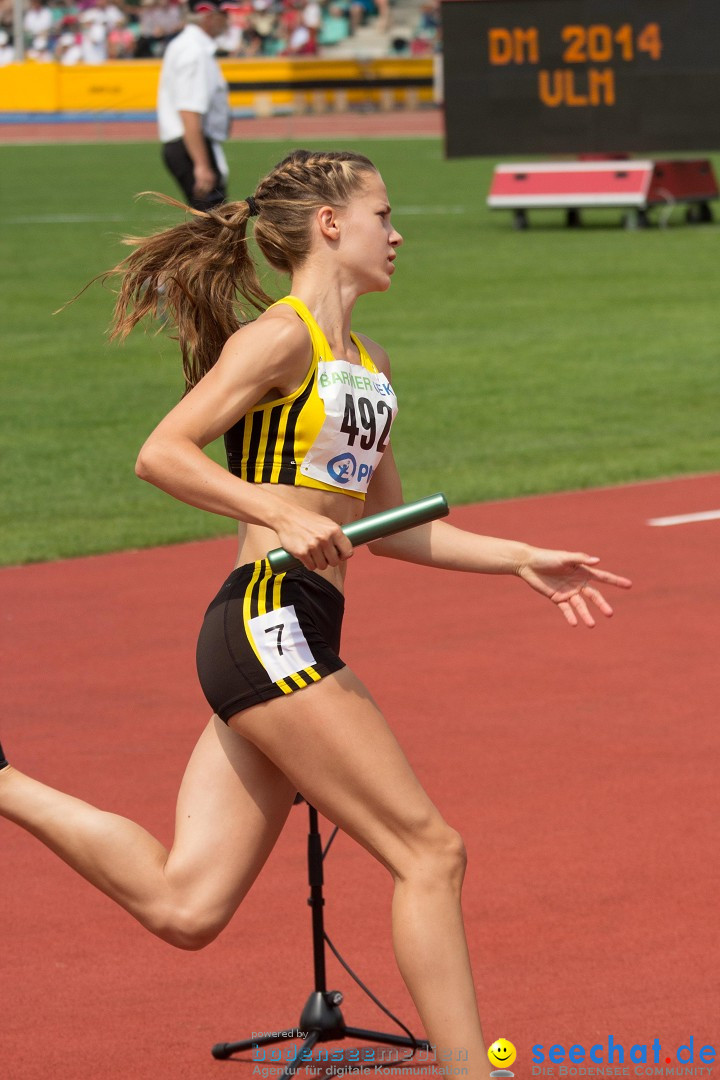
x=580, y=766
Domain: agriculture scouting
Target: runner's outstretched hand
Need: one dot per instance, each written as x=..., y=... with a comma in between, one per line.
x=569, y=579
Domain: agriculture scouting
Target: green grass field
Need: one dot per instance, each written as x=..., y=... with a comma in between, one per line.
x=524, y=362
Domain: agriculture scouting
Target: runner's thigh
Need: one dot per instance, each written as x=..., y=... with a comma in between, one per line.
x=232, y=805
x=333, y=743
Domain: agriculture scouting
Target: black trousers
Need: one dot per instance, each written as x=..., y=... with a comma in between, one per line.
x=180, y=164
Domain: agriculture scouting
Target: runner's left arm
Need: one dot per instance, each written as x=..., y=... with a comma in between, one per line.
x=568, y=578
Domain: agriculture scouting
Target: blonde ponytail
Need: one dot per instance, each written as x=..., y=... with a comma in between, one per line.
x=200, y=272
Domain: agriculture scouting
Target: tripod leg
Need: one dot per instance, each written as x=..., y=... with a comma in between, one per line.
x=226, y=1049
x=303, y=1056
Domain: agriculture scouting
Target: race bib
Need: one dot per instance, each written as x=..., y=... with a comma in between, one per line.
x=360, y=406
x=280, y=642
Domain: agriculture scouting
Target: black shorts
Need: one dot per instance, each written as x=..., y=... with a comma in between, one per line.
x=266, y=635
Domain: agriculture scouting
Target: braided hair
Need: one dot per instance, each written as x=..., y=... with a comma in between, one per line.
x=287, y=197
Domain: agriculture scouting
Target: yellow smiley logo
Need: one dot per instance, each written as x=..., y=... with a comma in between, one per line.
x=502, y=1054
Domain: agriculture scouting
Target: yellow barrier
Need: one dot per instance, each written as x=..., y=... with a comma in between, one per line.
x=109, y=87
x=261, y=86
x=29, y=87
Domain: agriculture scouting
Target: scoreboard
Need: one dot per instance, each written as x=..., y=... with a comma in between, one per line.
x=581, y=76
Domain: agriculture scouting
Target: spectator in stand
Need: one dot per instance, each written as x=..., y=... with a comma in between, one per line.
x=69, y=23
x=61, y=10
x=335, y=23
x=193, y=107
x=252, y=43
x=39, y=49
x=292, y=33
x=312, y=18
x=263, y=23
x=160, y=21
x=300, y=37
x=7, y=49
x=105, y=12
x=230, y=42
x=289, y=18
x=427, y=34
x=299, y=42
x=121, y=42
x=37, y=24
x=382, y=8
x=362, y=10
x=93, y=38
x=97, y=22
x=68, y=47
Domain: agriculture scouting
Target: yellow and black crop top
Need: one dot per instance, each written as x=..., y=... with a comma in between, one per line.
x=329, y=434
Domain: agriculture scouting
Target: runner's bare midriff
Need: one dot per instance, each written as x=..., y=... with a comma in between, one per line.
x=254, y=541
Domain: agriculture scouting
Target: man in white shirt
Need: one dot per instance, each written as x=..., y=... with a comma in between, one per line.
x=193, y=107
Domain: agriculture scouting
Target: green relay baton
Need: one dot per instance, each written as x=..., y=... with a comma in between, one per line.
x=365, y=530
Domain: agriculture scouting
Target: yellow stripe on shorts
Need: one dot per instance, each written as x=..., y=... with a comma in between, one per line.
x=263, y=586
x=247, y=600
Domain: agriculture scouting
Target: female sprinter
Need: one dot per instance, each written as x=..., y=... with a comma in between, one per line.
x=305, y=407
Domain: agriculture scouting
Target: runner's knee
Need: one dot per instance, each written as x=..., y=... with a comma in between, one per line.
x=187, y=928
x=436, y=855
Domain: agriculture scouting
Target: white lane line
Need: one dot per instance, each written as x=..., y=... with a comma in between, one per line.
x=99, y=219
x=63, y=219
x=429, y=210
x=686, y=519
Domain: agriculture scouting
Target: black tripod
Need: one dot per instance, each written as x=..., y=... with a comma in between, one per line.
x=321, y=1019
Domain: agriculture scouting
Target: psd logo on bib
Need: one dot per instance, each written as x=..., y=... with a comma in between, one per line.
x=342, y=468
